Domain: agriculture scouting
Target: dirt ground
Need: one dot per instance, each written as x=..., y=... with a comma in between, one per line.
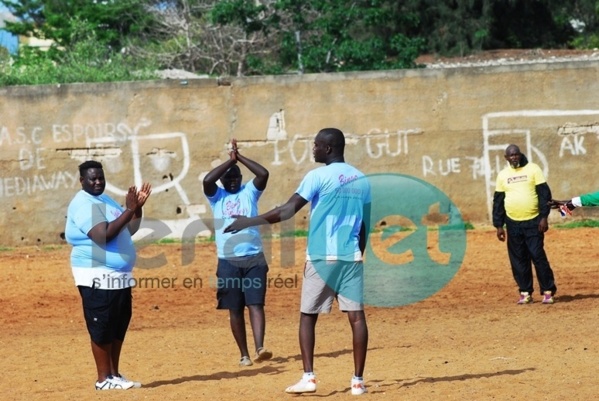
x=469, y=341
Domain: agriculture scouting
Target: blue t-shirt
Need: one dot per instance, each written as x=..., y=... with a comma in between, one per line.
x=338, y=193
x=86, y=211
x=224, y=206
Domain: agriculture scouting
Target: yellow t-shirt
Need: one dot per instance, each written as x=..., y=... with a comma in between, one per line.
x=519, y=185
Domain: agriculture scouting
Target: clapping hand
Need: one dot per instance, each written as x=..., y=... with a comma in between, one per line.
x=143, y=194
x=131, y=198
x=136, y=199
x=233, y=149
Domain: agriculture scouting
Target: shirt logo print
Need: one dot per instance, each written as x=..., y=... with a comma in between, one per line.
x=233, y=208
x=516, y=179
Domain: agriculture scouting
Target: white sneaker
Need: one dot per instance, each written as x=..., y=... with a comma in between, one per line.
x=305, y=385
x=262, y=354
x=525, y=299
x=357, y=387
x=124, y=379
x=114, y=383
x=245, y=361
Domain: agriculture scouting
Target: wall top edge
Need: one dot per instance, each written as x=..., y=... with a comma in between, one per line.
x=202, y=82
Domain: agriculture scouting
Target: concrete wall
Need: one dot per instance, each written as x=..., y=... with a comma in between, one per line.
x=448, y=127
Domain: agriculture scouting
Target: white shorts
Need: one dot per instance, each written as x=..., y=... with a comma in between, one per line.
x=327, y=280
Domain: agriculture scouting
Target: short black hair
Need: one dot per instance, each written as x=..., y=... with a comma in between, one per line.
x=233, y=171
x=333, y=137
x=83, y=167
x=514, y=147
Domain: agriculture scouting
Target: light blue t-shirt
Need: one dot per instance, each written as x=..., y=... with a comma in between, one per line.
x=86, y=211
x=338, y=193
x=224, y=206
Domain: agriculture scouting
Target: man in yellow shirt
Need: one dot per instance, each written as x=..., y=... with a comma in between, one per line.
x=521, y=203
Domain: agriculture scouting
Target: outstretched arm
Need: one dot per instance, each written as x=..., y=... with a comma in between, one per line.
x=590, y=199
x=278, y=214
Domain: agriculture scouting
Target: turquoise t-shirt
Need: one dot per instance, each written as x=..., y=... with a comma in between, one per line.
x=338, y=193
x=86, y=211
x=224, y=206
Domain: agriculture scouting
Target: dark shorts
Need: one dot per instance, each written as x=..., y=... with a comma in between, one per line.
x=107, y=313
x=241, y=282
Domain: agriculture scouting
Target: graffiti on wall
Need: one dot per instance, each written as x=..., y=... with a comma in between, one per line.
x=378, y=143
x=105, y=141
x=501, y=129
x=31, y=159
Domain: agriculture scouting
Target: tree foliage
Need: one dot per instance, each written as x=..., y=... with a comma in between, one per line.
x=113, y=21
x=85, y=61
x=252, y=37
x=88, y=38
x=339, y=35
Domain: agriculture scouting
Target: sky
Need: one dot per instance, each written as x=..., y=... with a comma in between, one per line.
x=6, y=39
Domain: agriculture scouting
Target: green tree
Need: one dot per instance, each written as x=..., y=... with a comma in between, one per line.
x=583, y=16
x=450, y=27
x=205, y=36
x=347, y=36
x=84, y=49
x=251, y=37
x=114, y=21
x=322, y=35
x=177, y=37
x=526, y=24
x=246, y=31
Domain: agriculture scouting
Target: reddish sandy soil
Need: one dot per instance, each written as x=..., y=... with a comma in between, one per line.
x=469, y=341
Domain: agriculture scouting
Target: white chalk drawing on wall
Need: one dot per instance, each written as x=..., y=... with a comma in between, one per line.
x=442, y=167
x=105, y=148
x=494, y=143
x=573, y=137
x=379, y=142
x=477, y=166
x=296, y=149
x=276, y=126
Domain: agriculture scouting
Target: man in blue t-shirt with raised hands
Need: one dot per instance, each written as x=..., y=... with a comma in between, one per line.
x=340, y=208
x=242, y=269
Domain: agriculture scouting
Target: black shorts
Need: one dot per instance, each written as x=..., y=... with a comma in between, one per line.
x=241, y=282
x=107, y=313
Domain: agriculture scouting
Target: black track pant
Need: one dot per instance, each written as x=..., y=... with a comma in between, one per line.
x=525, y=244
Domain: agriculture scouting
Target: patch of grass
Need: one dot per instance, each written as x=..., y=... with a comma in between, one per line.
x=579, y=224
x=463, y=226
x=205, y=239
x=163, y=241
x=388, y=230
x=393, y=229
x=296, y=234
x=171, y=241
x=5, y=249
